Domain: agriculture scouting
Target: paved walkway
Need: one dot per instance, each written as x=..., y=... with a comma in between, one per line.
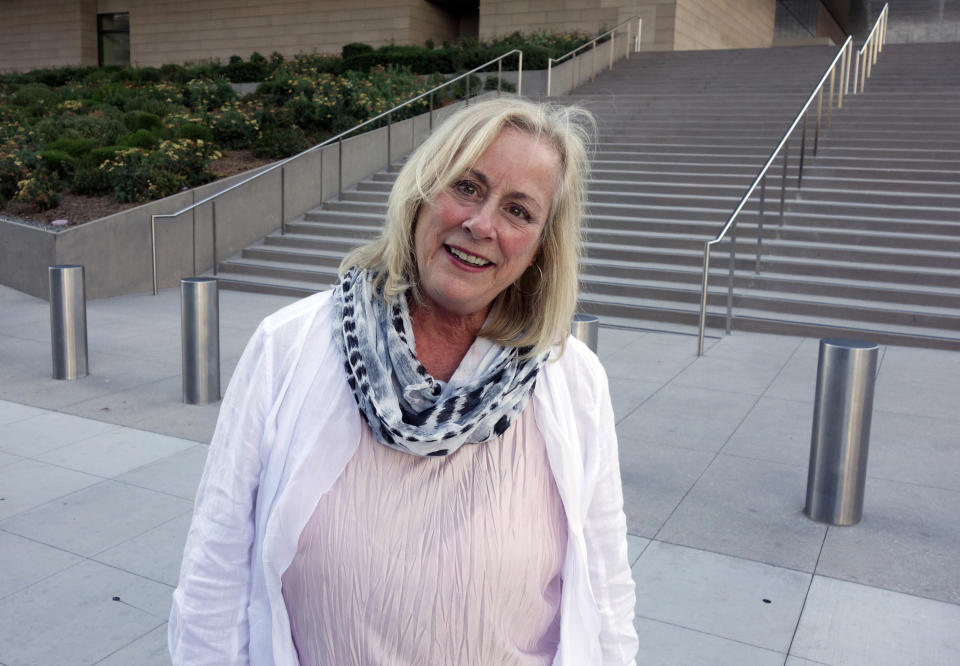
x=97, y=478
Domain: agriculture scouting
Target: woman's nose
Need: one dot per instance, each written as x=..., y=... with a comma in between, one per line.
x=480, y=223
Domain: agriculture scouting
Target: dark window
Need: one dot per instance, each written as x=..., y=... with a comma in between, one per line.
x=113, y=39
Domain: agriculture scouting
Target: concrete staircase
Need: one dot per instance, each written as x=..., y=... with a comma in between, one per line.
x=869, y=247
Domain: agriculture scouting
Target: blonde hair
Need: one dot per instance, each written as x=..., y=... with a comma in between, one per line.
x=535, y=310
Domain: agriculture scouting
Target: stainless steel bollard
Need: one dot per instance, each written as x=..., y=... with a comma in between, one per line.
x=585, y=327
x=200, y=339
x=842, y=410
x=68, y=321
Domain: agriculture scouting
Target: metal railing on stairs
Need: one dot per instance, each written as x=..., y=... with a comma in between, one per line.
x=631, y=44
x=338, y=139
x=838, y=71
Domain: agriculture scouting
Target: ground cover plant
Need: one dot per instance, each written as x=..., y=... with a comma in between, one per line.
x=107, y=138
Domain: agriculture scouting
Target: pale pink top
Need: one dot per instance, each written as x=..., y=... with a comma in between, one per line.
x=433, y=561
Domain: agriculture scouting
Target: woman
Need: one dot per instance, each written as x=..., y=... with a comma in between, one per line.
x=418, y=467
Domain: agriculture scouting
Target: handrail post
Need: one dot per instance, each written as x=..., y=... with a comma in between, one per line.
x=843, y=80
x=830, y=101
x=283, y=217
x=803, y=145
x=431, y=113
x=500, y=76
x=520, y=74
x=466, y=99
x=340, y=168
x=760, y=215
x=153, y=250
x=593, y=60
x=626, y=54
x=390, y=135
x=783, y=178
x=730, y=270
x=856, y=74
x=213, y=232
x=703, y=297
x=639, y=34
x=549, y=74
x=613, y=36
x=816, y=133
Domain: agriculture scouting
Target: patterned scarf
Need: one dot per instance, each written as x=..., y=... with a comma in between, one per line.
x=406, y=408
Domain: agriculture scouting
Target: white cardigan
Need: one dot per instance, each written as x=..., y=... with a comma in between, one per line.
x=287, y=427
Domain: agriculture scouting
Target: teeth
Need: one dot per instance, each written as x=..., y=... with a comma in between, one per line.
x=469, y=258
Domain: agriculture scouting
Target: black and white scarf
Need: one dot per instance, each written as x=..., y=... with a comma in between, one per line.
x=406, y=408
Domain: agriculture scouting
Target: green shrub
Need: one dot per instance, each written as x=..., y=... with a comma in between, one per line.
x=37, y=98
x=207, y=94
x=145, y=103
x=100, y=155
x=140, y=139
x=57, y=163
x=141, y=120
x=239, y=71
x=138, y=175
x=174, y=73
x=38, y=191
x=73, y=147
x=235, y=130
x=355, y=49
x=280, y=142
x=195, y=131
x=90, y=181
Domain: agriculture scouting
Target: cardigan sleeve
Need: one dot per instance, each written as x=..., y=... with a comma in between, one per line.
x=606, y=531
x=208, y=620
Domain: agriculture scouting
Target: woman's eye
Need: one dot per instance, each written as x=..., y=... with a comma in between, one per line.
x=466, y=187
x=518, y=211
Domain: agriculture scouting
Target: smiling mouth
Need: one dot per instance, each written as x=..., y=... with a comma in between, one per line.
x=467, y=258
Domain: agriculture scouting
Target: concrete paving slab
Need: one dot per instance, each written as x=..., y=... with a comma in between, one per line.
x=612, y=340
x=71, y=617
x=29, y=483
x=649, y=360
x=12, y=411
x=177, y=474
x=908, y=541
x=635, y=548
x=915, y=449
x=751, y=509
x=655, y=479
x=669, y=645
x=687, y=417
x=8, y=459
x=24, y=562
x=744, y=344
x=775, y=430
x=847, y=624
x=155, y=554
x=108, y=375
x=628, y=394
x=48, y=431
x=798, y=378
x=148, y=650
x=193, y=422
x=720, y=595
x=923, y=382
x=96, y=518
x=751, y=374
x=133, y=406
x=115, y=452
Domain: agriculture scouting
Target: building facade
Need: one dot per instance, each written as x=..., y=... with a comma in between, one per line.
x=53, y=33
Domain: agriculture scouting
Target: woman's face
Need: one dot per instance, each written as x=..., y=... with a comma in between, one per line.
x=479, y=235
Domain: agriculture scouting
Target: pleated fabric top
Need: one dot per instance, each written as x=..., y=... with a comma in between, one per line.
x=414, y=561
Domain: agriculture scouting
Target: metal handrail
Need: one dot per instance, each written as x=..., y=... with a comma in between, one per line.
x=844, y=56
x=337, y=138
x=872, y=46
x=593, y=45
